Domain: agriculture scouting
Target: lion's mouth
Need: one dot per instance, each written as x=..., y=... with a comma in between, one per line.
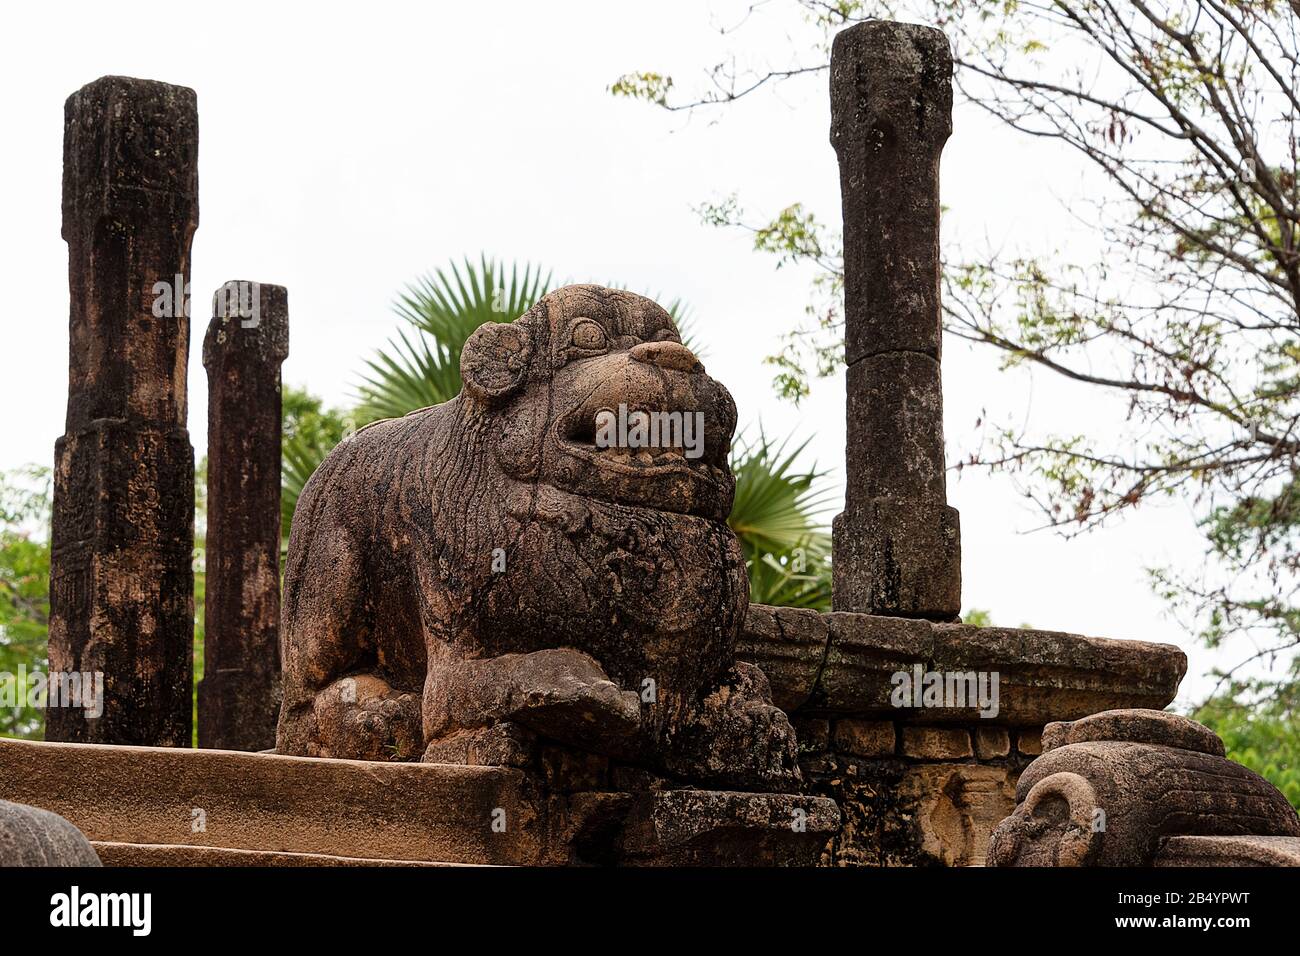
x=577, y=436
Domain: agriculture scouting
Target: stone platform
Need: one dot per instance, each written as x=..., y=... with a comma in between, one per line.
x=927, y=785
x=171, y=807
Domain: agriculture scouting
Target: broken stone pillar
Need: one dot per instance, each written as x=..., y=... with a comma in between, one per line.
x=247, y=341
x=121, y=578
x=897, y=547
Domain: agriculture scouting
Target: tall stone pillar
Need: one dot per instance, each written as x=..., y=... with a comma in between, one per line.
x=897, y=546
x=247, y=341
x=121, y=579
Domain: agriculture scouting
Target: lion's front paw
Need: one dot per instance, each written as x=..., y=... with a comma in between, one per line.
x=363, y=718
x=564, y=694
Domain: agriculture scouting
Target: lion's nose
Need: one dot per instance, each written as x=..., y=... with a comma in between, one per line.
x=667, y=355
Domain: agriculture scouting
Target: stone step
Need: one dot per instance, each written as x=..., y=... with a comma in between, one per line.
x=172, y=854
x=157, y=796
x=181, y=807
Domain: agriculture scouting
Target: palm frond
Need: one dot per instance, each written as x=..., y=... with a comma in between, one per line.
x=421, y=367
x=785, y=585
x=776, y=508
x=776, y=517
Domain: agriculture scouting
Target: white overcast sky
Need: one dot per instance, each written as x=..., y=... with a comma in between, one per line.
x=344, y=151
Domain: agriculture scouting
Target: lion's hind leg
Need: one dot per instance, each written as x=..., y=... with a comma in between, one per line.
x=361, y=717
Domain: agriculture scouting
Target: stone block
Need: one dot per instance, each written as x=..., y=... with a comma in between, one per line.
x=1030, y=742
x=844, y=664
x=992, y=743
x=864, y=738
x=955, y=810
x=1216, y=851
x=789, y=646
x=937, y=743
x=167, y=806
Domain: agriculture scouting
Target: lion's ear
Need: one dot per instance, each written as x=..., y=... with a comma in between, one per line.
x=495, y=360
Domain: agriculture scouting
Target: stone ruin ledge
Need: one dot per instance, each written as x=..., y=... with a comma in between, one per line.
x=1229, y=851
x=842, y=663
x=927, y=786
x=178, y=807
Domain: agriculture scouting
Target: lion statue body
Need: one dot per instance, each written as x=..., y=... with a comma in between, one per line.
x=484, y=574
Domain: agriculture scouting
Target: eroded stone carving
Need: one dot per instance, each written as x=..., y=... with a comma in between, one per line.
x=477, y=575
x=1112, y=789
x=30, y=836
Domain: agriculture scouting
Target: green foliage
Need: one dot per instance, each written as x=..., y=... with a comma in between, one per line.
x=1262, y=734
x=787, y=550
x=651, y=87
x=24, y=588
x=309, y=431
x=200, y=587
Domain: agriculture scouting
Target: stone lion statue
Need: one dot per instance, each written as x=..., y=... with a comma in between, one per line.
x=487, y=574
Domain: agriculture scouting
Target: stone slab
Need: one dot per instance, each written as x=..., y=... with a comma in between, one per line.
x=171, y=806
x=153, y=854
x=843, y=663
x=266, y=802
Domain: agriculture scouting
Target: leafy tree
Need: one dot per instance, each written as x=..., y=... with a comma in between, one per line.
x=308, y=432
x=24, y=590
x=1262, y=737
x=200, y=588
x=1190, y=113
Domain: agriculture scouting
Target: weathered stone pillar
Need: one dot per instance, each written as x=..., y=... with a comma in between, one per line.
x=121, y=579
x=247, y=341
x=897, y=548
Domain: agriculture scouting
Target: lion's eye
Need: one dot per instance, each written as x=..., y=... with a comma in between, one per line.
x=588, y=336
